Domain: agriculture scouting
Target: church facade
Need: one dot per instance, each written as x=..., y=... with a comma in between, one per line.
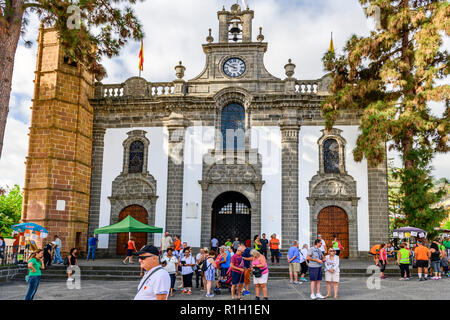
x=234, y=152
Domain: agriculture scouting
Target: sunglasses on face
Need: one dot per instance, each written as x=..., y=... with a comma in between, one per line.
x=145, y=257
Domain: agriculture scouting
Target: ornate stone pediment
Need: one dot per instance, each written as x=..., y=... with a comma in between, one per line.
x=134, y=186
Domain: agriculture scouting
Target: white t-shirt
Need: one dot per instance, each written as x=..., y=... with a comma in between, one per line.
x=166, y=242
x=304, y=252
x=171, y=263
x=322, y=247
x=189, y=260
x=157, y=283
x=58, y=243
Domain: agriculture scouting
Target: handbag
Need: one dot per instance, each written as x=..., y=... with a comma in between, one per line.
x=257, y=272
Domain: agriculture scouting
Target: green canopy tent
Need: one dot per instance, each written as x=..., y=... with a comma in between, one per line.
x=129, y=224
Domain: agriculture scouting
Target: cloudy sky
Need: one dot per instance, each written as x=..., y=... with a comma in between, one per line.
x=175, y=29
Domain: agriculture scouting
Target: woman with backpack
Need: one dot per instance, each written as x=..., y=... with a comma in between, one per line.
x=336, y=245
x=209, y=270
x=35, y=265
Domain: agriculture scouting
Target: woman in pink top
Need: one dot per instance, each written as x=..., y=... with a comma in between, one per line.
x=259, y=261
x=383, y=259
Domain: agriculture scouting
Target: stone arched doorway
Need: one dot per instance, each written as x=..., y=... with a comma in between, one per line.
x=139, y=213
x=231, y=217
x=333, y=220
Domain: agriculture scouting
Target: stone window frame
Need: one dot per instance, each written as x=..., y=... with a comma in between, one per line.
x=224, y=98
x=135, y=135
x=335, y=134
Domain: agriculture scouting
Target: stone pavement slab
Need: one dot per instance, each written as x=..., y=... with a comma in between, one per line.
x=349, y=289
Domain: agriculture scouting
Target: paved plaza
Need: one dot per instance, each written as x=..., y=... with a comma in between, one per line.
x=349, y=289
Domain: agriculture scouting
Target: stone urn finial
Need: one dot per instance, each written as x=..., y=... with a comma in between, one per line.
x=290, y=69
x=179, y=71
x=209, y=38
x=260, y=37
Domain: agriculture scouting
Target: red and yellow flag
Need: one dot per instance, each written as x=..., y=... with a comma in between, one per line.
x=141, y=57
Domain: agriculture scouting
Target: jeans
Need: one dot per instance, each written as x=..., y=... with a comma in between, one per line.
x=264, y=252
x=436, y=266
x=57, y=256
x=91, y=250
x=33, y=284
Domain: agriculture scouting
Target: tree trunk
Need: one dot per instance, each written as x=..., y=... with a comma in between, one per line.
x=9, y=39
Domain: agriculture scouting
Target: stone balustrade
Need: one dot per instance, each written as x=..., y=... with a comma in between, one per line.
x=307, y=86
x=133, y=88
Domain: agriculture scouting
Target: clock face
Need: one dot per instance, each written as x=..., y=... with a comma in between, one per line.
x=234, y=67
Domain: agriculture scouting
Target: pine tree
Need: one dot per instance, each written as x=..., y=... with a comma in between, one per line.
x=389, y=77
x=105, y=25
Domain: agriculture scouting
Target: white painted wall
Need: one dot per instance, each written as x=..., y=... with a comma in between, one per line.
x=309, y=166
x=198, y=140
x=113, y=164
x=268, y=142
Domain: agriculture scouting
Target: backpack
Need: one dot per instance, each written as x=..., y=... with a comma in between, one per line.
x=66, y=261
x=204, y=266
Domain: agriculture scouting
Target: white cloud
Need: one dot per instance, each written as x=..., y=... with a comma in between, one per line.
x=175, y=30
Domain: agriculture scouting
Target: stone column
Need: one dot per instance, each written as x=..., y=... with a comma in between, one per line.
x=96, y=177
x=175, y=172
x=289, y=166
x=378, y=203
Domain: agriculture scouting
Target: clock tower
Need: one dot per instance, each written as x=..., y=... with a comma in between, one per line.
x=234, y=59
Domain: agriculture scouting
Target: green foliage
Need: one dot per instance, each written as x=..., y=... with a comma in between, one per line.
x=10, y=210
x=420, y=194
x=391, y=75
x=447, y=225
x=105, y=26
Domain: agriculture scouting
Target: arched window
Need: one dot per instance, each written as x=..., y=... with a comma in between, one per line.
x=233, y=127
x=331, y=156
x=136, y=160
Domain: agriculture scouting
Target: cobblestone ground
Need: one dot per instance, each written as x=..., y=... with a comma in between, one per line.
x=349, y=289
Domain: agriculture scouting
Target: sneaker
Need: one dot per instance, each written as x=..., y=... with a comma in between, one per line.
x=434, y=278
x=439, y=278
x=421, y=279
x=319, y=296
x=303, y=279
x=246, y=293
x=296, y=282
x=257, y=298
x=70, y=279
x=313, y=296
x=407, y=279
x=402, y=279
x=210, y=295
x=266, y=298
x=291, y=282
x=426, y=278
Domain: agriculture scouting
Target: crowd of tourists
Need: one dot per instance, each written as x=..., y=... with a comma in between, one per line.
x=430, y=259
x=234, y=264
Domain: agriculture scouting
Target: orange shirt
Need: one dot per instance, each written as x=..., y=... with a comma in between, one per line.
x=130, y=245
x=421, y=253
x=177, y=244
x=274, y=243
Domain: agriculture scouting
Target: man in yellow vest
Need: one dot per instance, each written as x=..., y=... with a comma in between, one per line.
x=403, y=261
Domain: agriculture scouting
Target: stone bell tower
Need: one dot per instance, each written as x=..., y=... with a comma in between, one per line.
x=58, y=165
x=233, y=22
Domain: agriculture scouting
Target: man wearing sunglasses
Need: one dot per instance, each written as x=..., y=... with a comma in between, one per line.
x=155, y=284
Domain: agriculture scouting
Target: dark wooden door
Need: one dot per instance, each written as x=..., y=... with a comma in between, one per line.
x=140, y=238
x=334, y=221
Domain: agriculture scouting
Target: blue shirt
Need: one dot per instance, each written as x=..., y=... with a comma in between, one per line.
x=293, y=251
x=226, y=264
x=246, y=254
x=92, y=242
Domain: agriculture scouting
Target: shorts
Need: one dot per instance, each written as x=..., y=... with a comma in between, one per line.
x=422, y=263
x=294, y=267
x=129, y=252
x=315, y=273
x=223, y=272
x=236, y=278
x=262, y=279
x=332, y=276
x=247, y=276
